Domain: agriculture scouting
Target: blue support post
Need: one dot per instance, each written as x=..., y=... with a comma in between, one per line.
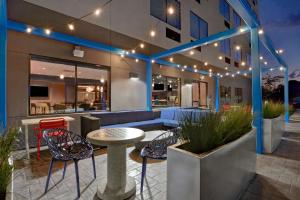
x=286, y=94
x=3, y=62
x=217, y=97
x=149, y=85
x=256, y=90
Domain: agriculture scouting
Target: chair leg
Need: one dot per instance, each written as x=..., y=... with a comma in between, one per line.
x=39, y=138
x=49, y=174
x=94, y=166
x=65, y=167
x=77, y=177
x=143, y=172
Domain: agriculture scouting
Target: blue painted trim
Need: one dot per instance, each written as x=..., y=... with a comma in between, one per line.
x=256, y=91
x=286, y=95
x=73, y=40
x=3, y=63
x=203, y=41
x=217, y=95
x=149, y=85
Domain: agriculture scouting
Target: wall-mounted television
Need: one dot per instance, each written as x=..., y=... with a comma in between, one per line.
x=158, y=86
x=39, y=91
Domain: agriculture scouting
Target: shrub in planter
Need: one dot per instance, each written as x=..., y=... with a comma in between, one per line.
x=272, y=110
x=6, y=143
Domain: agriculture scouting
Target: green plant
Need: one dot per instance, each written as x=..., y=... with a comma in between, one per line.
x=214, y=130
x=272, y=110
x=291, y=110
x=6, y=144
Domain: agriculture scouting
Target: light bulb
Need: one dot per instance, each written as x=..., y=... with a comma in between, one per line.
x=261, y=31
x=136, y=60
x=152, y=61
x=171, y=59
x=220, y=57
x=237, y=48
x=206, y=63
x=29, y=30
x=142, y=45
x=97, y=12
x=243, y=63
x=71, y=27
x=216, y=44
x=171, y=10
x=48, y=31
x=61, y=76
x=152, y=33
x=192, y=52
x=133, y=51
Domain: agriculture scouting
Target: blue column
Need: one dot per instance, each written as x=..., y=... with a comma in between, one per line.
x=149, y=85
x=217, y=96
x=256, y=90
x=286, y=94
x=3, y=57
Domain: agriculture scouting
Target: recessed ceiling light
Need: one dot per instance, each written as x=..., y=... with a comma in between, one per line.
x=48, y=31
x=152, y=33
x=142, y=45
x=136, y=60
x=220, y=57
x=206, y=63
x=29, y=30
x=216, y=44
x=171, y=10
x=192, y=52
x=97, y=12
x=71, y=27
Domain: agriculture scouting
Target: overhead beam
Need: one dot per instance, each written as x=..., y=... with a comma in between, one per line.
x=203, y=41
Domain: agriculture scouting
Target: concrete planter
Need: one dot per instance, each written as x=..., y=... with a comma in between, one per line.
x=222, y=174
x=273, y=131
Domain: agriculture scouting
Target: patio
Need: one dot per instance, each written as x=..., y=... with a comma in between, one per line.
x=278, y=174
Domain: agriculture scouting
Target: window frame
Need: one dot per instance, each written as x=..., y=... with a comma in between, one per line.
x=223, y=7
x=200, y=30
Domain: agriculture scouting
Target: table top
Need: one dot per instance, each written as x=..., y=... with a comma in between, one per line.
x=109, y=136
x=150, y=135
x=33, y=121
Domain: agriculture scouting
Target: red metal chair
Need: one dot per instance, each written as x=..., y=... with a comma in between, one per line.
x=44, y=125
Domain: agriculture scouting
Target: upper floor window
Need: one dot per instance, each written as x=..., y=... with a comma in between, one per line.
x=198, y=26
x=236, y=20
x=225, y=9
x=159, y=9
x=225, y=47
x=238, y=55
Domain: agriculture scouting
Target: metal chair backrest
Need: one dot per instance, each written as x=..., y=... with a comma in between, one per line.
x=52, y=123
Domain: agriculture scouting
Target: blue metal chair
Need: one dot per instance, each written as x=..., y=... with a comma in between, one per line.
x=64, y=146
x=157, y=149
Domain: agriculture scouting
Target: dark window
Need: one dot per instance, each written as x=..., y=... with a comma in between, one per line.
x=227, y=60
x=159, y=9
x=173, y=35
x=198, y=1
x=236, y=64
x=224, y=8
x=225, y=47
x=197, y=48
x=226, y=23
x=236, y=19
x=238, y=55
x=198, y=26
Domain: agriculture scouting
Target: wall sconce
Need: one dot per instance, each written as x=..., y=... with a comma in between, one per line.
x=133, y=75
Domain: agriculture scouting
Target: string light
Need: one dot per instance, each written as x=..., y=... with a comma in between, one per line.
x=29, y=30
x=171, y=10
x=192, y=52
x=216, y=44
x=261, y=58
x=136, y=60
x=97, y=12
x=142, y=45
x=243, y=63
x=71, y=27
x=171, y=59
x=133, y=51
x=152, y=33
x=220, y=57
x=152, y=61
x=48, y=31
x=206, y=63
x=237, y=48
x=195, y=66
x=260, y=31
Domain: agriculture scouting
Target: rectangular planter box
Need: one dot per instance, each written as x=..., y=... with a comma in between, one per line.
x=273, y=131
x=222, y=174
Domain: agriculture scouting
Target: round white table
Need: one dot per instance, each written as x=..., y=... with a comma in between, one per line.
x=118, y=185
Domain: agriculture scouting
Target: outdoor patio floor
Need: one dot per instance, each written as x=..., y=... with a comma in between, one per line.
x=278, y=174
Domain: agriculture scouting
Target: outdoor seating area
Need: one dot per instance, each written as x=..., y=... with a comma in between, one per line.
x=147, y=100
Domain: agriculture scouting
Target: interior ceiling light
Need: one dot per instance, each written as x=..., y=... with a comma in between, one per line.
x=216, y=44
x=261, y=31
x=238, y=48
x=171, y=10
x=29, y=30
x=142, y=45
x=47, y=31
x=238, y=72
x=152, y=33
x=71, y=27
x=97, y=12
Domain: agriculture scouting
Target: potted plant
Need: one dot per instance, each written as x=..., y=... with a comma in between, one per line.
x=216, y=160
x=7, y=139
x=273, y=123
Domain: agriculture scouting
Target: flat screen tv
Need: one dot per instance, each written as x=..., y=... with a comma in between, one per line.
x=158, y=86
x=39, y=91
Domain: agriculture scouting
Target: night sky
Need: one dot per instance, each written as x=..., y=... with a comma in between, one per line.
x=281, y=21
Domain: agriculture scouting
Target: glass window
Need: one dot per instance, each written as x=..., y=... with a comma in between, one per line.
x=225, y=94
x=225, y=47
x=165, y=91
x=225, y=9
x=238, y=55
x=159, y=9
x=61, y=87
x=198, y=26
x=236, y=19
x=238, y=95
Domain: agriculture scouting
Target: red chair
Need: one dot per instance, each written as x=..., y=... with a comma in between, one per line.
x=226, y=107
x=47, y=124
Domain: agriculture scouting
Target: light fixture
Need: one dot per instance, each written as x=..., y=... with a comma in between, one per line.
x=242, y=30
x=142, y=45
x=71, y=27
x=232, y=75
x=261, y=58
x=182, y=70
x=152, y=61
x=127, y=52
x=171, y=10
x=216, y=44
x=97, y=12
x=266, y=63
x=122, y=55
x=171, y=59
x=210, y=70
x=245, y=74
x=29, y=30
x=226, y=68
x=192, y=52
x=61, y=76
x=227, y=74
x=218, y=74
x=196, y=70
x=238, y=48
x=220, y=57
x=250, y=68
x=133, y=75
x=243, y=63
x=279, y=51
x=152, y=33
x=102, y=80
x=178, y=65
x=221, y=76
x=210, y=75
x=195, y=66
x=206, y=63
x=271, y=69
x=47, y=31
x=136, y=60
x=281, y=68
x=202, y=77
x=184, y=66
x=238, y=72
x=133, y=51
x=260, y=31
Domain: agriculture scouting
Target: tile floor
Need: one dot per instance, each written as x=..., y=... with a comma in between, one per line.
x=278, y=175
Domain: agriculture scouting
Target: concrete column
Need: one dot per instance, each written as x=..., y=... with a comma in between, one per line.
x=149, y=85
x=286, y=94
x=3, y=62
x=256, y=90
x=217, y=96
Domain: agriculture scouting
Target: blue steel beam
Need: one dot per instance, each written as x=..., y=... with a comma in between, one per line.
x=20, y=27
x=203, y=41
x=256, y=90
x=217, y=95
x=286, y=94
x=3, y=63
x=149, y=85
